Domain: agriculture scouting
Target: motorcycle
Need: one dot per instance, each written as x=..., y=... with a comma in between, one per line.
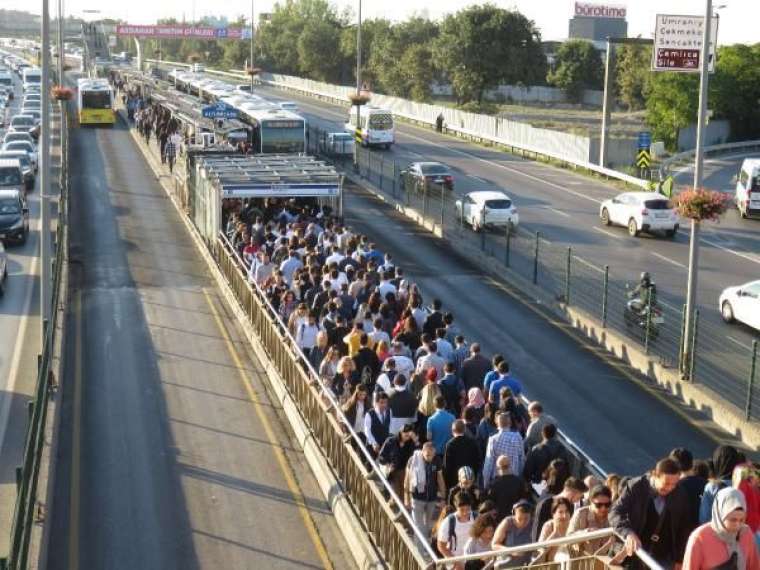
x=637, y=315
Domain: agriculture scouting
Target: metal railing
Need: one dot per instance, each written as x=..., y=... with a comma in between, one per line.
x=27, y=511
x=566, y=278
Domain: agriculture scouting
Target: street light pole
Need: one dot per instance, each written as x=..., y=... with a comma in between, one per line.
x=253, y=57
x=45, y=288
x=359, y=51
x=691, y=292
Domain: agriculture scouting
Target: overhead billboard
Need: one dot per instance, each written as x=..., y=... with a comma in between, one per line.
x=592, y=10
x=678, y=43
x=178, y=31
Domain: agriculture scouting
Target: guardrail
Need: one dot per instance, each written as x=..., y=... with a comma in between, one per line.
x=525, y=150
x=667, y=164
x=27, y=475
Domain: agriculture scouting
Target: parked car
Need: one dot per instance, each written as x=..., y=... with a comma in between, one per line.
x=14, y=216
x=422, y=176
x=640, y=212
x=741, y=304
x=487, y=208
x=25, y=146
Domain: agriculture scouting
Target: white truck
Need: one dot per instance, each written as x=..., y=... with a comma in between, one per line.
x=748, y=188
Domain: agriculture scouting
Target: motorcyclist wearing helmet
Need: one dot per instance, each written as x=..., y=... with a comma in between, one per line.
x=644, y=293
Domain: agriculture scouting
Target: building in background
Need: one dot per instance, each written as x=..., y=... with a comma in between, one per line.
x=597, y=22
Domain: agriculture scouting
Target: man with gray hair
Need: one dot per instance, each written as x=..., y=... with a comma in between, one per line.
x=538, y=419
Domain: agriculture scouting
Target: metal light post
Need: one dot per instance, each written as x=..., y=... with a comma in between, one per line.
x=45, y=288
x=61, y=29
x=359, y=51
x=253, y=56
x=691, y=293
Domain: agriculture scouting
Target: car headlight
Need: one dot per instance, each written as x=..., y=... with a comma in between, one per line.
x=19, y=223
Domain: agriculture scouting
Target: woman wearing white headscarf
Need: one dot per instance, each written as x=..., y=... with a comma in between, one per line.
x=725, y=543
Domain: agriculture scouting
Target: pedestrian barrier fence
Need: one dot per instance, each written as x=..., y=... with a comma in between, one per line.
x=27, y=510
x=567, y=278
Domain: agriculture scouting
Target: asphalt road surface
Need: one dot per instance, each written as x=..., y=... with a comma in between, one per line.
x=172, y=454
x=19, y=338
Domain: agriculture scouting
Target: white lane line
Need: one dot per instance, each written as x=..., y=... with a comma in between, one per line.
x=671, y=261
x=559, y=212
x=742, y=254
x=738, y=342
x=605, y=232
x=478, y=178
x=16, y=358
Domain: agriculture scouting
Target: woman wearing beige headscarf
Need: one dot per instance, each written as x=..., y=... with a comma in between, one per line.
x=726, y=542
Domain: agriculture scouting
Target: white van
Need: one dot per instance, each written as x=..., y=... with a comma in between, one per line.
x=748, y=188
x=375, y=126
x=31, y=76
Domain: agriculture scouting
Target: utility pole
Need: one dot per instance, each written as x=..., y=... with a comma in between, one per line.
x=359, y=51
x=253, y=56
x=704, y=78
x=45, y=289
x=609, y=71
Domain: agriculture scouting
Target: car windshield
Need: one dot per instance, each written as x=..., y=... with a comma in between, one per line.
x=22, y=157
x=22, y=122
x=381, y=121
x=18, y=145
x=434, y=169
x=658, y=205
x=10, y=176
x=501, y=204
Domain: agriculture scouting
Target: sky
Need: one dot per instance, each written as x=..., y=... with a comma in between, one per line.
x=738, y=23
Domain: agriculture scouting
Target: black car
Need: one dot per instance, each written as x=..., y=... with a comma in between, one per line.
x=426, y=176
x=14, y=216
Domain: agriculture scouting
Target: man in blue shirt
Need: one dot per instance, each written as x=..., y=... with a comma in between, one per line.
x=439, y=426
x=493, y=375
x=506, y=380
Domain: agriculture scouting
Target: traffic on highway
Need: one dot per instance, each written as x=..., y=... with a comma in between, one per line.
x=407, y=323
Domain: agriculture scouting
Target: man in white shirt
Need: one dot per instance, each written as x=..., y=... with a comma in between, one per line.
x=306, y=334
x=431, y=360
x=336, y=256
x=290, y=266
x=378, y=334
x=386, y=286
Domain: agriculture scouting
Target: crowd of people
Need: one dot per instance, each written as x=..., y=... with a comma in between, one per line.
x=476, y=468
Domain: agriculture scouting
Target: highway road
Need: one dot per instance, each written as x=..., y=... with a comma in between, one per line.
x=20, y=341
x=172, y=454
x=564, y=207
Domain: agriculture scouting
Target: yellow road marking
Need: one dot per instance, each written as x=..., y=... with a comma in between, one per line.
x=282, y=461
x=76, y=430
x=612, y=361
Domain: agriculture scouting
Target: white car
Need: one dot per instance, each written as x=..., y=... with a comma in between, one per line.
x=288, y=106
x=640, y=212
x=742, y=304
x=19, y=136
x=487, y=208
x=25, y=146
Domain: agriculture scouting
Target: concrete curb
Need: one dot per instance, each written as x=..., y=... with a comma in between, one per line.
x=674, y=391
x=365, y=554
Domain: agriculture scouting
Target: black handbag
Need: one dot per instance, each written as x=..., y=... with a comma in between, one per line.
x=730, y=564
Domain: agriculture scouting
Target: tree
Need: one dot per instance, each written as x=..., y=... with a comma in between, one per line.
x=735, y=89
x=578, y=67
x=671, y=104
x=317, y=55
x=632, y=72
x=482, y=46
x=417, y=72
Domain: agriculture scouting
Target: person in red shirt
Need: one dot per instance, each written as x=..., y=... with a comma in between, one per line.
x=746, y=479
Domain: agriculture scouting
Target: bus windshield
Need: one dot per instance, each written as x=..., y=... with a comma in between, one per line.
x=96, y=100
x=381, y=122
x=282, y=139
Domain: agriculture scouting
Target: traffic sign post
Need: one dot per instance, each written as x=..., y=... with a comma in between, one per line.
x=643, y=161
x=678, y=43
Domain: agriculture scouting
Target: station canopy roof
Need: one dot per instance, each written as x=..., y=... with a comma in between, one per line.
x=274, y=175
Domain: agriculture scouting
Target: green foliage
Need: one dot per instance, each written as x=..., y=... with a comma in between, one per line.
x=671, y=104
x=578, y=67
x=482, y=46
x=632, y=72
x=735, y=89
